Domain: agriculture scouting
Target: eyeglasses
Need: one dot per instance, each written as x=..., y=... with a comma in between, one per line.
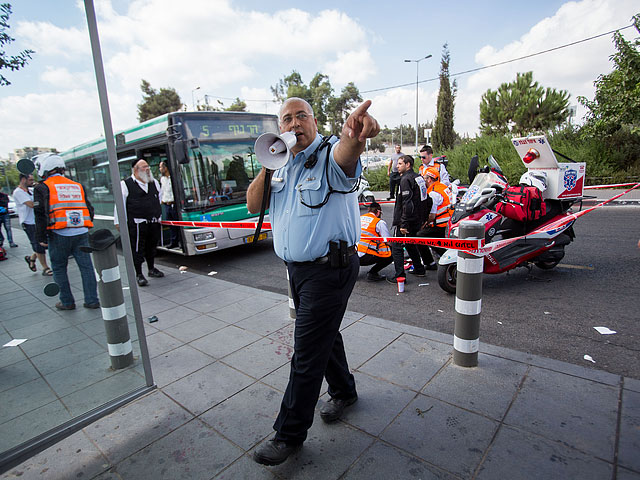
x=301, y=116
x=422, y=156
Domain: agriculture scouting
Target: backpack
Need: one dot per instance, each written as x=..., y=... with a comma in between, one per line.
x=533, y=206
x=3, y=254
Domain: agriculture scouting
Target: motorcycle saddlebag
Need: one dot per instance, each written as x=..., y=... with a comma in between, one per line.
x=532, y=208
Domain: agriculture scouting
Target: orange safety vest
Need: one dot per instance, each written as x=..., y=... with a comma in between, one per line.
x=368, y=223
x=443, y=213
x=423, y=168
x=67, y=204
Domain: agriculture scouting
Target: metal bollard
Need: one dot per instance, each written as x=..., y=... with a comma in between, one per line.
x=114, y=312
x=292, y=307
x=466, y=337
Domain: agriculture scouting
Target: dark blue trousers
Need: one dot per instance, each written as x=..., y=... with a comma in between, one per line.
x=320, y=295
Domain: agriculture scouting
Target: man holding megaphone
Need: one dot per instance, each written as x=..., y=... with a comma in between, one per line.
x=315, y=222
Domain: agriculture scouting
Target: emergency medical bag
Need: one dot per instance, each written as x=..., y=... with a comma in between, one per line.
x=532, y=208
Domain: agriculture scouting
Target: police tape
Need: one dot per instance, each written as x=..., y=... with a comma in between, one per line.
x=549, y=231
x=615, y=185
x=449, y=243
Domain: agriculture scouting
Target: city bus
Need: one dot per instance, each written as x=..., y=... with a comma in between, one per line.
x=211, y=159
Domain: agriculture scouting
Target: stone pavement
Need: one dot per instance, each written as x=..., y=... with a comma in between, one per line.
x=220, y=356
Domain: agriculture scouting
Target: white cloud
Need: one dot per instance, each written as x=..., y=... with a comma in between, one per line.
x=573, y=68
x=48, y=39
x=353, y=66
x=62, y=77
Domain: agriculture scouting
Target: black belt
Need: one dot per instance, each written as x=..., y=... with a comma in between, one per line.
x=352, y=250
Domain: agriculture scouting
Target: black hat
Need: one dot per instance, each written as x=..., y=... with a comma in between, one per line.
x=99, y=240
x=134, y=161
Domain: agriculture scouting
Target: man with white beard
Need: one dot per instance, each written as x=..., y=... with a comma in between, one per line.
x=141, y=198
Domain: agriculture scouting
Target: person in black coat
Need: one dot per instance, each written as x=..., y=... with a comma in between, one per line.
x=410, y=212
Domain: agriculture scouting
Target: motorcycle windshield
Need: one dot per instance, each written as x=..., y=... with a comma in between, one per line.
x=474, y=192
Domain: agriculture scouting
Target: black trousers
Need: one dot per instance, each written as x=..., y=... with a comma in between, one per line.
x=394, y=184
x=320, y=295
x=378, y=262
x=144, y=239
x=433, y=232
x=169, y=213
x=419, y=254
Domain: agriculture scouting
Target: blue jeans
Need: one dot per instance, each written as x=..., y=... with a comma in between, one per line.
x=60, y=249
x=6, y=221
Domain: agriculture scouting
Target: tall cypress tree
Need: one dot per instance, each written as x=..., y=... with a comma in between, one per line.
x=443, y=134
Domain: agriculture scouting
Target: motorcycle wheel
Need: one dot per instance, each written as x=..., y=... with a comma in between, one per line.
x=369, y=199
x=547, y=265
x=447, y=276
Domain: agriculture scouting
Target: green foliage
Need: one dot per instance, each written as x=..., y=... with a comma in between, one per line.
x=156, y=103
x=616, y=105
x=377, y=178
x=237, y=106
x=522, y=107
x=443, y=134
x=12, y=62
x=330, y=111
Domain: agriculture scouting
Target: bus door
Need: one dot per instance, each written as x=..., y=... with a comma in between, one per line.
x=153, y=156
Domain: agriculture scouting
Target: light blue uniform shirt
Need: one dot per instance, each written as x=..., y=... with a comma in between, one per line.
x=302, y=234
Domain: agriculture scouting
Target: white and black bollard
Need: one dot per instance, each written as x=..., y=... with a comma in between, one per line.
x=114, y=311
x=466, y=336
x=292, y=307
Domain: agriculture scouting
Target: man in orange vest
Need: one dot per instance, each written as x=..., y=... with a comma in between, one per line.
x=373, y=252
x=436, y=225
x=426, y=156
x=63, y=218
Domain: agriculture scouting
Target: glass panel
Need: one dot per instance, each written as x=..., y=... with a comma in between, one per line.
x=218, y=174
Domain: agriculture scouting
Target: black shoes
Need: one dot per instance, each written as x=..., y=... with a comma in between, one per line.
x=334, y=408
x=61, y=306
x=374, y=277
x=274, y=452
x=143, y=282
x=394, y=280
x=431, y=266
x=92, y=306
x=173, y=245
x=418, y=272
x=154, y=272
x=13, y=245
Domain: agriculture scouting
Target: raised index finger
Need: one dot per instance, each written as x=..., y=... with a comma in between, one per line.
x=362, y=108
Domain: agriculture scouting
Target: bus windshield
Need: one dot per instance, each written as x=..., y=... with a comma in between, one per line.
x=218, y=174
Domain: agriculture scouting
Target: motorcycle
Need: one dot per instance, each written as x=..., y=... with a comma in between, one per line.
x=542, y=247
x=365, y=195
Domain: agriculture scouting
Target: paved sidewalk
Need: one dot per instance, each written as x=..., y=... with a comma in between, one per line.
x=220, y=356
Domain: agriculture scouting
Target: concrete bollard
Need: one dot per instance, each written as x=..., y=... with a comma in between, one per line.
x=466, y=337
x=292, y=307
x=114, y=311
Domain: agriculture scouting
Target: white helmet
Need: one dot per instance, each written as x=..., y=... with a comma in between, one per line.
x=534, y=179
x=47, y=163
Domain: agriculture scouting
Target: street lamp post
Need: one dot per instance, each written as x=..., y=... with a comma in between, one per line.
x=401, y=129
x=193, y=98
x=417, y=63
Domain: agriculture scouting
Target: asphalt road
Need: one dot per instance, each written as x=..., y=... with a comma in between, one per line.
x=548, y=313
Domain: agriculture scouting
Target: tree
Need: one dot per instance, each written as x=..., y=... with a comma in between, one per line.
x=13, y=62
x=156, y=103
x=616, y=104
x=237, y=106
x=340, y=107
x=522, y=107
x=321, y=93
x=443, y=134
x=291, y=86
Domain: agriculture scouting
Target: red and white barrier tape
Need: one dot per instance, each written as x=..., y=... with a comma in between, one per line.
x=540, y=233
x=591, y=187
x=473, y=246
x=452, y=243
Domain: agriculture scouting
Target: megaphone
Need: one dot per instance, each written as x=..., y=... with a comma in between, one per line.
x=272, y=150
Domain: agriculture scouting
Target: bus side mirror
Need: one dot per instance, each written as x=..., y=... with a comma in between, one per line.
x=180, y=149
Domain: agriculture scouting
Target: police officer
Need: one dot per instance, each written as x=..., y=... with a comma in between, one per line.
x=63, y=216
x=315, y=232
x=426, y=156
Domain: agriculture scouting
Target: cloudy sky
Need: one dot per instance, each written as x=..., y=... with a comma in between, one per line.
x=240, y=48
